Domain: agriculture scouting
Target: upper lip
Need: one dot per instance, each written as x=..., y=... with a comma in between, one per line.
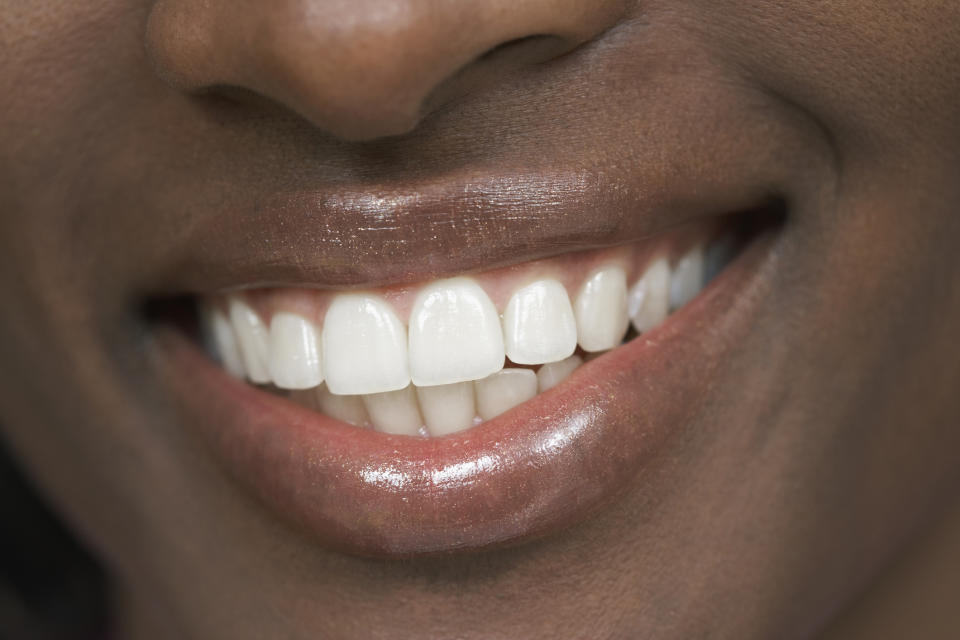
x=354, y=238
x=353, y=233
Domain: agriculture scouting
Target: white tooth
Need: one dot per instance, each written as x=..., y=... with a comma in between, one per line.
x=538, y=324
x=503, y=391
x=455, y=334
x=687, y=278
x=648, y=302
x=601, y=310
x=253, y=340
x=294, y=352
x=447, y=408
x=394, y=411
x=553, y=373
x=364, y=346
x=347, y=408
x=225, y=343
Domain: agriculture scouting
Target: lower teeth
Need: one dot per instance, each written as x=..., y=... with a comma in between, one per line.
x=441, y=409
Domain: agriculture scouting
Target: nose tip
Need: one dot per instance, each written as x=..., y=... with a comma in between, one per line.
x=360, y=69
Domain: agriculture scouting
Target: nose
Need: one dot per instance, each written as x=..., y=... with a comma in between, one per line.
x=362, y=69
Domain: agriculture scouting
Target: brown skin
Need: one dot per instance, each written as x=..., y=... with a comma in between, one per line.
x=828, y=440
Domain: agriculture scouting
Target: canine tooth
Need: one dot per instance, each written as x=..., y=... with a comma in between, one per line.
x=538, y=324
x=364, y=346
x=687, y=278
x=503, y=391
x=553, y=373
x=294, y=352
x=350, y=409
x=447, y=408
x=253, y=340
x=648, y=302
x=225, y=343
x=455, y=334
x=394, y=411
x=601, y=310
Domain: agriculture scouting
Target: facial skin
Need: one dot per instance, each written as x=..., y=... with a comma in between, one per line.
x=144, y=146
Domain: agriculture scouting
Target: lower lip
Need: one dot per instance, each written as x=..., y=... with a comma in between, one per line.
x=543, y=466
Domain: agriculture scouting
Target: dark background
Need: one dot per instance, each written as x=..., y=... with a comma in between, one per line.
x=50, y=586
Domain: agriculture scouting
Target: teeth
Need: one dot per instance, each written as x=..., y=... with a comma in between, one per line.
x=225, y=343
x=294, y=352
x=601, y=310
x=455, y=334
x=252, y=338
x=504, y=390
x=350, y=409
x=538, y=324
x=649, y=299
x=446, y=372
x=394, y=411
x=447, y=408
x=687, y=278
x=364, y=346
x=552, y=374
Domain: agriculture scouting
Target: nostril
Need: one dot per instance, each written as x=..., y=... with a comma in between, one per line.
x=359, y=74
x=512, y=44
x=528, y=49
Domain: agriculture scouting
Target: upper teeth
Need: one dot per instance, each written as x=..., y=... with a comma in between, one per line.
x=602, y=310
x=538, y=324
x=252, y=340
x=364, y=346
x=687, y=278
x=294, y=360
x=454, y=336
x=648, y=301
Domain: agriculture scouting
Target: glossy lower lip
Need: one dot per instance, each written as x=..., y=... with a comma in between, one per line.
x=534, y=470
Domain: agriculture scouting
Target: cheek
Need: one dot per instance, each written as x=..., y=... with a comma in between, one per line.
x=876, y=76
x=71, y=74
x=64, y=66
x=67, y=72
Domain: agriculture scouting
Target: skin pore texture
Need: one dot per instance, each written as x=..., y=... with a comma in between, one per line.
x=156, y=148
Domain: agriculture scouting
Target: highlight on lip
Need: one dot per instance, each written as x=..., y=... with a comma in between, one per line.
x=446, y=355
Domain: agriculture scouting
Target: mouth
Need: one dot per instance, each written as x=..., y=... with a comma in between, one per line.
x=441, y=357
x=468, y=411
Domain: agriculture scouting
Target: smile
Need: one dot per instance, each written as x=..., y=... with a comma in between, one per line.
x=442, y=357
x=472, y=410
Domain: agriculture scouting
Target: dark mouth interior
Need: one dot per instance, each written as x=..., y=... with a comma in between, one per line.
x=737, y=229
